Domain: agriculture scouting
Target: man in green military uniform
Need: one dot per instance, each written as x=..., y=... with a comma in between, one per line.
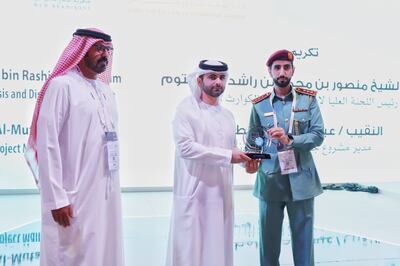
x=293, y=126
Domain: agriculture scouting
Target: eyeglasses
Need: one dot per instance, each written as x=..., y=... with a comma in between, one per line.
x=102, y=48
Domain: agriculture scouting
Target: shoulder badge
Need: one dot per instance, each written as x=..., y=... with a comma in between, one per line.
x=306, y=91
x=261, y=97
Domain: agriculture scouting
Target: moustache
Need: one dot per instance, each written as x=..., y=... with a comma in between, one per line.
x=103, y=59
x=217, y=87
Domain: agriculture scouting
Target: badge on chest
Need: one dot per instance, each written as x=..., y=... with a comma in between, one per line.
x=112, y=151
x=287, y=162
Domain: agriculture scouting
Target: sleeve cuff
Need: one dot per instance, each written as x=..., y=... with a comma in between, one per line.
x=56, y=205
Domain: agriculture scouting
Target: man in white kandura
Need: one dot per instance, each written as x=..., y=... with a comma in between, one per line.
x=204, y=133
x=73, y=153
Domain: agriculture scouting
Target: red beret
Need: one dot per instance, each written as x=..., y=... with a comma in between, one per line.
x=280, y=55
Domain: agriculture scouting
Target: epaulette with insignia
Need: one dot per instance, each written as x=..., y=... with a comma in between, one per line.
x=306, y=91
x=261, y=97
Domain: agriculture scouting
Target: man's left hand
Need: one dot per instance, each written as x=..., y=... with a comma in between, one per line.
x=278, y=133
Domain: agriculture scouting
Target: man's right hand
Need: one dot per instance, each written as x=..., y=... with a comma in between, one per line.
x=63, y=215
x=239, y=157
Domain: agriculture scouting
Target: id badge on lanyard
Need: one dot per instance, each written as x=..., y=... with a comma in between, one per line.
x=112, y=147
x=287, y=162
x=112, y=151
x=287, y=158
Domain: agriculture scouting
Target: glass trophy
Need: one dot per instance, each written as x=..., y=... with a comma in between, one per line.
x=255, y=141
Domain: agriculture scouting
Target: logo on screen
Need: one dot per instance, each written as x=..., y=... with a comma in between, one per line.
x=63, y=4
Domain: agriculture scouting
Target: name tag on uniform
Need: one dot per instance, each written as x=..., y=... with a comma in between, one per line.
x=268, y=113
x=300, y=110
x=112, y=151
x=287, y=162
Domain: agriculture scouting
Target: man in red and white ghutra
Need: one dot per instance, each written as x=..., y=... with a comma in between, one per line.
x=73, y=154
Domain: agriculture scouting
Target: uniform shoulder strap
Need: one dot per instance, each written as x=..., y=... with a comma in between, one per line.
x=306, y=91
x=261, y=97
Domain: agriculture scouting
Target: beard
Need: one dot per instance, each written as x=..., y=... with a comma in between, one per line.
x=213, y=91
x=98, y=66
x=282, y=82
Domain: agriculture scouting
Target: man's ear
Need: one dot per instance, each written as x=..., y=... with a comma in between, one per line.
x=199, y=82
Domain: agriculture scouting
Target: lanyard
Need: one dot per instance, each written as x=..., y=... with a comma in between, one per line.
x=291, y=113
x=102, y=110
x=101, y=99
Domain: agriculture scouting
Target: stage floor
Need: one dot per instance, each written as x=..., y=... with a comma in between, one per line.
x=351, y=228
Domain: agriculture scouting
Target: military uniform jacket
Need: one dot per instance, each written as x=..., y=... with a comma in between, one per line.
x=308, y=133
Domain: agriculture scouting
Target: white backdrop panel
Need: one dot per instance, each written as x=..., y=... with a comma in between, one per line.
x=346, y=50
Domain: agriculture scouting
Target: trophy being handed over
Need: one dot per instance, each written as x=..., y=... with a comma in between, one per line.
x=255, y=141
